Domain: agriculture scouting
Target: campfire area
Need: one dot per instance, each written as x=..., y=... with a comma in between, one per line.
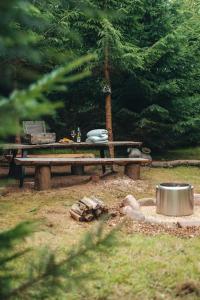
x=141, y=265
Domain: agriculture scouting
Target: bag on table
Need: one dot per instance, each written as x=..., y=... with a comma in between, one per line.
x=97, y=132
x=97, y=139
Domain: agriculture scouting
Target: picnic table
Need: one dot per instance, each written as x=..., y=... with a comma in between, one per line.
x=13, y=149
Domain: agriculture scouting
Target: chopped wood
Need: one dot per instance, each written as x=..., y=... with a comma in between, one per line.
x=89, y=203
x=87, y=209
x=75, y=216
x=76, y=208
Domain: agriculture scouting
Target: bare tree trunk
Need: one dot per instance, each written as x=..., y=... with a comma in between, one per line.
x=17, y=136
x=108, y=102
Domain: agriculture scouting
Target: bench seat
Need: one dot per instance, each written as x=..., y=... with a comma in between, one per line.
x=43, y=166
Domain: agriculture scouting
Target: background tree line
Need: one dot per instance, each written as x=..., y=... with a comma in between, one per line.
x=151, y=49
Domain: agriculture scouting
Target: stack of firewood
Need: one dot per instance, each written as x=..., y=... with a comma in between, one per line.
x=87, y=209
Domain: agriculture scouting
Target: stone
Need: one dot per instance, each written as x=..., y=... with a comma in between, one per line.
x=197, y=199
x=129, y=200
x=135, y=215
x=147, y=201
x=192, y=223
x=134, y=152
x=3, y=191
x=157, y=221
x=146, y=156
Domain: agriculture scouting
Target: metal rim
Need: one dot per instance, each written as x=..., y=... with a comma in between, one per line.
x=174, y=186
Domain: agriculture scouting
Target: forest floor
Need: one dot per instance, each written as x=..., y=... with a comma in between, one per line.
x=149, y=262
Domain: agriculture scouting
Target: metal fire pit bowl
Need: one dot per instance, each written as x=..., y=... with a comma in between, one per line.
x=174, y=199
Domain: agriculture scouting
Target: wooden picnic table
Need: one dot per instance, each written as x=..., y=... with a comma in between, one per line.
x=70, y=145
x=43, y=167
x=25, y=148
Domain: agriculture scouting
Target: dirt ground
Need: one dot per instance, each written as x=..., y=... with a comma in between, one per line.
x=51, y=207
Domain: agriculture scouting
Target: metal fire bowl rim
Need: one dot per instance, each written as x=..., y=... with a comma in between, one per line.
x=174, y=186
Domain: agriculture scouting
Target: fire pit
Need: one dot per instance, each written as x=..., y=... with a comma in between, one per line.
x=174, y=199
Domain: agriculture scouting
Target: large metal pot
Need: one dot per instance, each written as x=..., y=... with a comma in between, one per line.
x=174, y=199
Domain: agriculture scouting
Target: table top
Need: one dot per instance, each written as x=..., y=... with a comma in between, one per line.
x=70, y=145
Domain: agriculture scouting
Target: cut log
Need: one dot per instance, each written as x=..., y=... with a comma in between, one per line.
x=89, y=217
x=175, y=163
x=132, y=171
x=75, y=216
x=87, y=209
x=89, y=203
x=76, y=208
x=42, y=178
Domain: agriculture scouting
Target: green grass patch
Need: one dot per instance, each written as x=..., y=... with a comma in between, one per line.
x=180, y=153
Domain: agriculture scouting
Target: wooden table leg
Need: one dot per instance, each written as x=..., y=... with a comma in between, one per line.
x=42, y=178
x=132, y=171
x=22, y=170
x=102, y=155
x=12, y=166
x=77, y=170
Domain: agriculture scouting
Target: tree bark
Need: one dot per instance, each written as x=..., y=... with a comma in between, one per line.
x=108, y=101
x=132, y=171
x=42, y=178
x=175, y=163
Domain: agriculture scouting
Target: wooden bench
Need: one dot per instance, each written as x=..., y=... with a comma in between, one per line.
x=43, y=166
x=75, y=169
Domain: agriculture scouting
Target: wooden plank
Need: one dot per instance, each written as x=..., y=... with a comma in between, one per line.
x=34, y=127
x=78, y=161
x=39, y=138
x=70, y=145
x=64, y=155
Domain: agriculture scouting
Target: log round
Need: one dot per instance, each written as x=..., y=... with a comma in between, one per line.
x=77, y=170
x=132, y=171
x=42, y=178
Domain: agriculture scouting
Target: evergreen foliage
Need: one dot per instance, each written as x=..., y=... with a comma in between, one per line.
x=46, y=276
x=153, y=61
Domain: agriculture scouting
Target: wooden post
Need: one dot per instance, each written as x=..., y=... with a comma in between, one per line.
x=132, y=171
x=77, y=170
x=42, y=178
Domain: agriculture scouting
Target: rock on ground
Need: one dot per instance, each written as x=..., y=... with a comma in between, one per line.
x=129, y=200
x=136, y=215
x=196, y=199
x=156, y=221
x=184, y=224
x=147, y=201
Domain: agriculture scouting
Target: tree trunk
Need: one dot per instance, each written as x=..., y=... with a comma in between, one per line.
x=42, y=178
x=108, y=102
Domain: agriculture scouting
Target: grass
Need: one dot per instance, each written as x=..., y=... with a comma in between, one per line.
x=180, y=153
x=141, y=266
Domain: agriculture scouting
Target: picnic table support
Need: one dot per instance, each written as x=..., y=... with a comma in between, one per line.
x=77, y=170
x=132, y=171
x=12, y=166
x=102, y=155
x=42, y=177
